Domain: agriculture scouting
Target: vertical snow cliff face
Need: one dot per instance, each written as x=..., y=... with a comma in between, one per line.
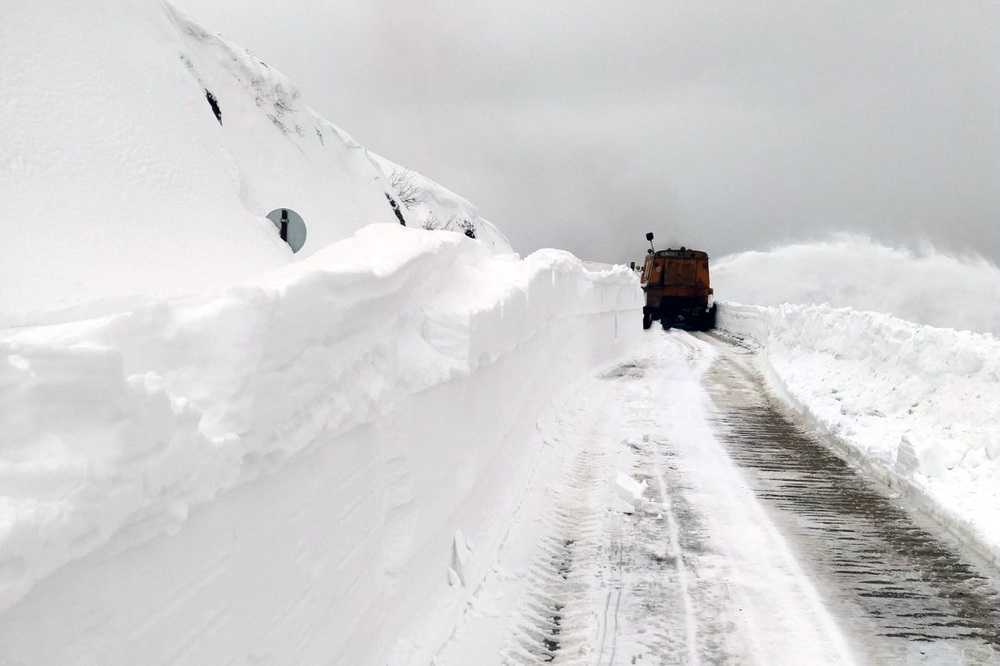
x=315, y=467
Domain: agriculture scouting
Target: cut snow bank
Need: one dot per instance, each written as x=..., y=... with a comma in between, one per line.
x=918, y=405
x=853, y=271
x=140, y=154
x=315, y=467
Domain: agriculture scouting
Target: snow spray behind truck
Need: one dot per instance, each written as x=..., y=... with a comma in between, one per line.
x=677, y=289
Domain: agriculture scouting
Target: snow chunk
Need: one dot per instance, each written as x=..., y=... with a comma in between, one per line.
x=928, y=459
x=628, y=489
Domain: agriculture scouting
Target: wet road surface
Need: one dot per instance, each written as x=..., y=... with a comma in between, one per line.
x=909, y=593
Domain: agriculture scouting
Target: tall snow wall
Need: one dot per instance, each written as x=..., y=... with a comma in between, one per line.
x=317, y=466
x=917, y=406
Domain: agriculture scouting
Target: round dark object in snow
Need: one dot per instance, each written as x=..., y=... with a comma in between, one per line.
x=291, y=227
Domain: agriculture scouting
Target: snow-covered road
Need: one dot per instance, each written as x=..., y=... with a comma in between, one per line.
x=679, y=515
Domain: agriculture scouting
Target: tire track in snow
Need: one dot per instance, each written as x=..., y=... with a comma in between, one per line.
x=601, y=576
x=680, y=569
x=673, y=535
x=678, y=609
x=554, y=623
x=673, y=606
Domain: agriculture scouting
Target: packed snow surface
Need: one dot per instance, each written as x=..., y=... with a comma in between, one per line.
x=925, y=287
x=328, y=451
x=141, y=153
x=642, y=541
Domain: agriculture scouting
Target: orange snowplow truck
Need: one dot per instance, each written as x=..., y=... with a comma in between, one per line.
x=677, y=291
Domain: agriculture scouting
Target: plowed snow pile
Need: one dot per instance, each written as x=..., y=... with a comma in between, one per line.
x=318, y=464
x=916, y=404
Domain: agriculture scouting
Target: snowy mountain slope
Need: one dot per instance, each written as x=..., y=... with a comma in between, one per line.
x=916, y=405
x=428, y=205
x=119, y=181
x=328, y=451
x=852, y=271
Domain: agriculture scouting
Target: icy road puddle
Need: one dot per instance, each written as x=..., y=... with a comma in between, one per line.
x=676, y=516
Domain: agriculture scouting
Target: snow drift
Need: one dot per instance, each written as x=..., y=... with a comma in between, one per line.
x=917, y=405
x=852, y=271
x=140, y=154
x=328, y=451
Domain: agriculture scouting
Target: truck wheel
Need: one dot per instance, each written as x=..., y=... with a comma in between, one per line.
x=710, y=318
x=647, y=321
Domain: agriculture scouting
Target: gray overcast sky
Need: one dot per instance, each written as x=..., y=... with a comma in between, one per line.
x=721, y=125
